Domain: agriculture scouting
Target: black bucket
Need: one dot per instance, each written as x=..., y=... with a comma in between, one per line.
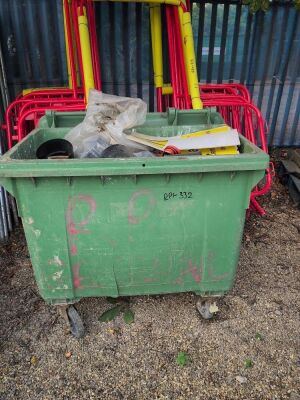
x=55, y=149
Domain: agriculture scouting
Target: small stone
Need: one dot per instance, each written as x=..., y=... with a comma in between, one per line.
x=273, y=195
x=241, y=379
x=34, y=360
x=68, y=354
x=277, y=312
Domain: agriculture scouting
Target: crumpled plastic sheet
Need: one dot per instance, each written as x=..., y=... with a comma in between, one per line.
x=107, y=117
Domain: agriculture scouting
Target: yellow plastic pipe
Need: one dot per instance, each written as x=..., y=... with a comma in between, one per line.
x=156, y=39
x=67, y=46
x=180, y=13
x=190, y=59
x=85, y=47
x=30, y=90
x=167, y=89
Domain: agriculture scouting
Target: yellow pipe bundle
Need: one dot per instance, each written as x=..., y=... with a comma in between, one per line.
x=86, y=53
x=156, y=39
x=190, y=58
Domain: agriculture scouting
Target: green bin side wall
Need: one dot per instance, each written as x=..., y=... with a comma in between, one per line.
x=118, y=236
x=207, y=117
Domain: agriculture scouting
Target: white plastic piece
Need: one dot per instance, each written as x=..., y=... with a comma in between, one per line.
x=107, y=117
x=213, y=308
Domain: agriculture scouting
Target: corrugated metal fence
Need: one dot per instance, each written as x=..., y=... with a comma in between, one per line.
x=262, y=51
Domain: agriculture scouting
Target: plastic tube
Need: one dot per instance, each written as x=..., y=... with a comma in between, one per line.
x=86, y=54
x=172, y=57
x=167, y=89
x=190, y=59
x=156, y=39
x=76, y=41
x=180, y=57
x=94, y=45
x=70, y=49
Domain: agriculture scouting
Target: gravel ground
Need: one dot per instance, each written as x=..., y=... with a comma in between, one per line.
x=251, y=350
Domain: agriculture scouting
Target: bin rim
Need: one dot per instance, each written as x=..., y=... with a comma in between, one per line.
x=13, y=168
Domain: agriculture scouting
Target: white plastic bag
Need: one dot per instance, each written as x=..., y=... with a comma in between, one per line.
x=107, y=116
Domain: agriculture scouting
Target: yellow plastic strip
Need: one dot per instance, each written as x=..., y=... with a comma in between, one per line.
x=223, y=128
x=156, y=39
x=219, y=129
x=220, y=151
x=30, y=90
x=85, y=47
x=167, y=89
x=190, y=59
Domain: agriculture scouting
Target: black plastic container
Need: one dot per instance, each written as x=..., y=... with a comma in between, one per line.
x=55, y=149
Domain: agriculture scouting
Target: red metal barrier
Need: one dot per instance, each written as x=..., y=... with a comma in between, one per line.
x=242, y=115
x=232, y=100
x=38, y=113
x=15, y=110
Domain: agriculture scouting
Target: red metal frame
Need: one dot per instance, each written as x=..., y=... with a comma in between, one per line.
x=74, y=8
x=226, y=88
x=37, y=113
x=71, y=49
x=232, y=100
x=242, y=115
x=94, y=44
x=16, y=108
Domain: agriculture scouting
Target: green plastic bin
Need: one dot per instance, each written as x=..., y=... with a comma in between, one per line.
x=122, y=227
x=198, y=119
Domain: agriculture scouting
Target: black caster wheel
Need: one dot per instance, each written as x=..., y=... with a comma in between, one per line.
x=75, y=322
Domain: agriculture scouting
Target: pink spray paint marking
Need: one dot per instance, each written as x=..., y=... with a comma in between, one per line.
x=76, y=277
x=76, y=228
x=133, y=219
x=194, y=270
x=74, y=250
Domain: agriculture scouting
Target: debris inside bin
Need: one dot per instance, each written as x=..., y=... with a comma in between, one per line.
x=55, y=149
x=120, y=151
x=106, y=119
x=216, y=141
x=122, y=121
x=114, y=120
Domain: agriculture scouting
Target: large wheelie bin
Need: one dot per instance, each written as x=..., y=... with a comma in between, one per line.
x=134, y=226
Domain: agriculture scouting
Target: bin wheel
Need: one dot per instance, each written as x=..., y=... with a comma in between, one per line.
x=75, y=322
x=205, y=309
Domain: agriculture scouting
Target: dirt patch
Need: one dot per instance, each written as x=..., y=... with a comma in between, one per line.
x=250, y=351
